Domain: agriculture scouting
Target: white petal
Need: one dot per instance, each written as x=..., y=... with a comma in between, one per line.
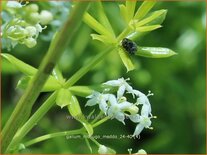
x=146, y=110
x=138, y=129
x=93, y=95
x=121, y=91
x=145, y=121
x=120, y=117
x=138, y=93
x=91, y=102
x=110, y=112
x=141, y=151
x=125, y=105
x=112, y=99
x=103, y=106
x=134, y=118
x=112, y=83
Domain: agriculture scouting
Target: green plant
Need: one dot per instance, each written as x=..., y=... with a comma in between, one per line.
x=65, y=93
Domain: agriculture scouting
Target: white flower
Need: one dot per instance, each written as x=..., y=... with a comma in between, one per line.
x=98, y=98
x=117, y=108
x=105, y=150
x=45, y=17
x=141, y=151
x=123, y=86
x=31, y=30
x=144, y=122
x=144, y=101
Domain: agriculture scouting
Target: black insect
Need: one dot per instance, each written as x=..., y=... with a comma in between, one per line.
x=129, y=46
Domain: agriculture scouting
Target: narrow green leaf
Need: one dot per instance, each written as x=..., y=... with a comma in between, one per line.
x=152, y=17
x=126, y=60
x=130, y=8
x=147, y=28
x=81, y=90
x=20, y=65
x=103, y=38
x=63, y=98
x=50, y=85
x=159, y=20
x=95, y=25
x=103, y=18
x=75, y=111
x=23, y=82
x=123, y=12
x=155, y=52
x=144, y=9
x=23, y=67
x=57, y=74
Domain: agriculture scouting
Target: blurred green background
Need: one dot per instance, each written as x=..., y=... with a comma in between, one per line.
x=178, y=83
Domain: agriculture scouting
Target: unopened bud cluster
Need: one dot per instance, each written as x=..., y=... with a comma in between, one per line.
x=26, y=23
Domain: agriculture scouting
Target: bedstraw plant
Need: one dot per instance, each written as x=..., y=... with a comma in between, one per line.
x=24, y=23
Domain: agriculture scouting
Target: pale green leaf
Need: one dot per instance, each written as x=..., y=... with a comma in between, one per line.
x=144, y=9
x=75, y=111
x=102, y=38
x=63, y=98
x=130, y=7
x=147, y=28
x=50, y=85
x=20, y=65
x=126, y=60
x=155, y=52
x=95, y=25
x=23, y=67
x=103, y=18
x=81, y=90
x=152, y=17
x=123, y=12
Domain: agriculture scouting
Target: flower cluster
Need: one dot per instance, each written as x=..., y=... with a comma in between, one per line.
x=117, y=106
x=25, y=23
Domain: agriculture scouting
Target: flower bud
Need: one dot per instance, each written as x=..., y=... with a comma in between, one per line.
x=105, y=150
x=31, y=30
x=45, y=17
x=32, y=8
x=16, y=32
x=30, y=42
x=141, y=151
x=34, y=18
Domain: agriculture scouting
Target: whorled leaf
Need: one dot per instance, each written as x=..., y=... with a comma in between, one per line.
x=50, y=85
x=126, y=60
x=63, y=98
x=75, y=111
x=155, y=52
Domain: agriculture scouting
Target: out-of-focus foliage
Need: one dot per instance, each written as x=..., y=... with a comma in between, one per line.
x=178, y=82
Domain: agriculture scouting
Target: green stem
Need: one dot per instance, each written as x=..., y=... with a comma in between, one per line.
x=24, y=106
x=100, y=122
x=123, y=34
x=64, y=133
x=95, y=141
x=87, y=67
x=53, y=135
x=33, y=120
